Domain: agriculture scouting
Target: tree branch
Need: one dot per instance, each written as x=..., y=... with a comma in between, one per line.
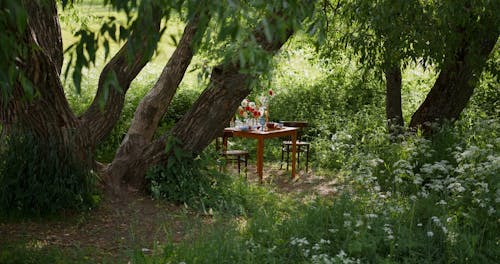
x=101, y=118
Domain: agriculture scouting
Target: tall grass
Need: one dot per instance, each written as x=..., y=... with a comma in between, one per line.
x=37, y=179
x=416, y=201
x=409, y=200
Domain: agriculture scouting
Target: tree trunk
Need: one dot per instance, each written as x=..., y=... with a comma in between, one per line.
x=43, y=17
x=454, y=85
x=206, y=118
x=153, y=106
x=47, y=114
x=100, y=118
x=393, y=111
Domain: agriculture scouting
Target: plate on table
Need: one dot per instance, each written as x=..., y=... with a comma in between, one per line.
x=242, y=128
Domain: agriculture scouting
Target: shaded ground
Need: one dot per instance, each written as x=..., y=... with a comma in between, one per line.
x=117, y=227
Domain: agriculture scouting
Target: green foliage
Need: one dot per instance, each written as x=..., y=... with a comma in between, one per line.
x=486, y=98
x=340, y=102
x=36, y=179
x=387, y=32
x=180, y=104
x=189, y=181
x=197, y=183
x=450, y=217
x=34, y=252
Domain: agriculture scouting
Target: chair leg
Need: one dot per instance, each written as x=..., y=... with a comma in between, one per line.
x=239, y=166
x=282, y=156
x=287, y=156
x=298, y=157
x=307, y=157
x=246, y=167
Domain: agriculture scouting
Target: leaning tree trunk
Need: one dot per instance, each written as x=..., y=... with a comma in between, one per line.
x=101, y=119
x=207, y=117
x=152, y=107
x=196, y=128
x=454, y=85
x=393, y=110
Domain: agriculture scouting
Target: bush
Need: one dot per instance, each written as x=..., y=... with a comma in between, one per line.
x=195, y=182
x=38, y=180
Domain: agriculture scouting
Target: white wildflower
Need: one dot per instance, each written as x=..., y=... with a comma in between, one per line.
x=341, y=254
x=371, y=215
x=441, y=202
x=436, y=220
x=491, y=211
x=418, y=180
x=324, y=241
x=430, y=233
x=271, y=250
x=456, y=187
x=299, y=241
x=316, y=247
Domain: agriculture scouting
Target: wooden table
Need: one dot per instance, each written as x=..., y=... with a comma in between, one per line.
x=260, y=136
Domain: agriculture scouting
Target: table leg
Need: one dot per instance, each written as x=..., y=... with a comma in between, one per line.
x=260, y=158
x=294, y=150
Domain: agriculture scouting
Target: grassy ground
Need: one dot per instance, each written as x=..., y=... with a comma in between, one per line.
x=120, y=231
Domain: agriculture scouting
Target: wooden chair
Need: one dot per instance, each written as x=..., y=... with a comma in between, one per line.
x=240, y=156
x=302, y=146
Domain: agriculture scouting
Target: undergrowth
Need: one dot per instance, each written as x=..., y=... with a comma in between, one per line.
x=412, y=201
x=36, y=179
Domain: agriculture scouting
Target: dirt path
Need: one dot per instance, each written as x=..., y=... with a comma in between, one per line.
x=137, y=220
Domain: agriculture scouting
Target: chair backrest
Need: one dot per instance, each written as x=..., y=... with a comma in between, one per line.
x=300, y=124
x=221, y=140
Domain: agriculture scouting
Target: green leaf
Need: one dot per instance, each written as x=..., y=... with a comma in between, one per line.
x=174, y=40
x=106, y=48
x=267, y=30
x=77, y=78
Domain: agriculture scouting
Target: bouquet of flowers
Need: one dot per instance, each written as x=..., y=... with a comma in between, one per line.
x=249, y=110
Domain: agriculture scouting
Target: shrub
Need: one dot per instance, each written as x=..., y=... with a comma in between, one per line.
x=195, y=182
x=38, y=180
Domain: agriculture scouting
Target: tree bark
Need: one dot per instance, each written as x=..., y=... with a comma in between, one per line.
x=153, y=106
x=208, y=116
x=101, y=119
x=47, y=114
x=393, y=110
x=454, y=85
x=43, y=18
